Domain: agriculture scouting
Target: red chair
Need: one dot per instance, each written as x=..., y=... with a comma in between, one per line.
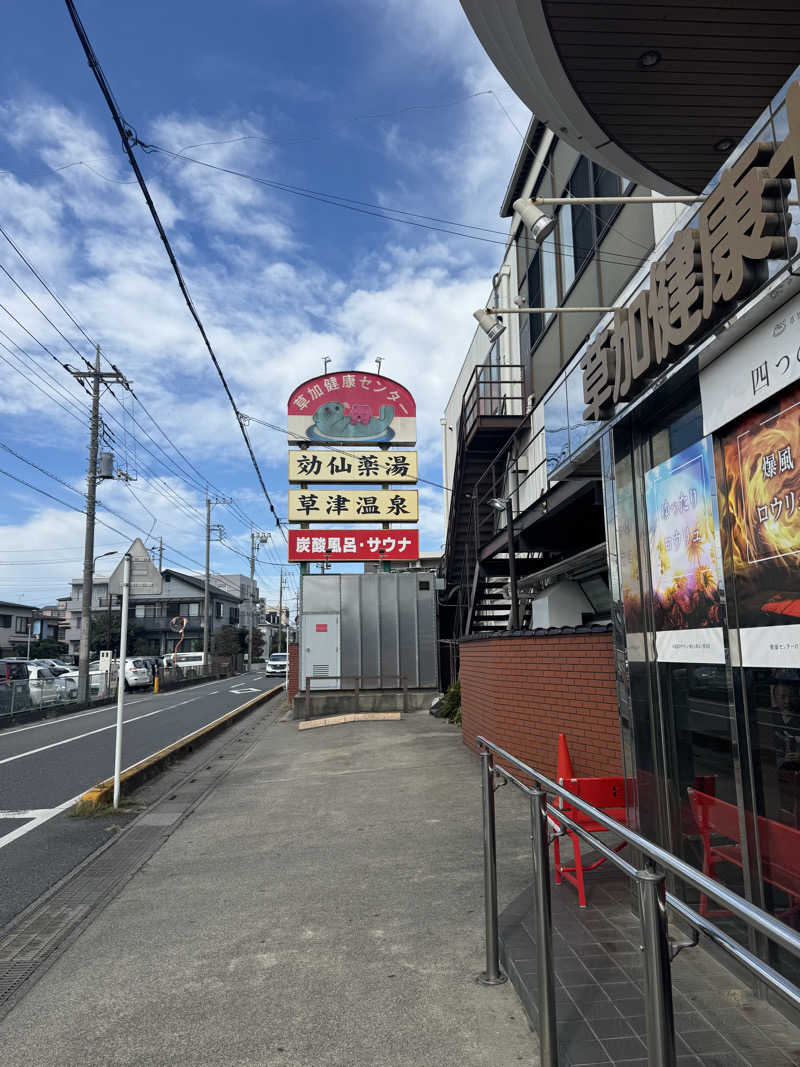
x=779, y=847
x=608, y=794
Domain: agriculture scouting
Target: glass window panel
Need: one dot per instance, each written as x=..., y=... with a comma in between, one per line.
x=604, y=184
x=580, y=185
x=140, y=611
x=579, y=431
x=566, y=242
x=549, y=280
x=535, y=298
x=556, y=437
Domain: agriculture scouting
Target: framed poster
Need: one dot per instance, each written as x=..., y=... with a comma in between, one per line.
x=682, y=526
x=761, y=487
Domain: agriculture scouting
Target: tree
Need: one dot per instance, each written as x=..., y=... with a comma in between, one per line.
x=258, y=645
x=104, y=634
x=49, y=648
x=230, y=641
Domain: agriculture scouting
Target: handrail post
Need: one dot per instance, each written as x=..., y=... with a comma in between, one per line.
x=545, y=971
x=492, y=975
x=308, y=697
x=659, y=1019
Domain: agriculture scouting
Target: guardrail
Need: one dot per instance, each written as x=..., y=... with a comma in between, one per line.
x=356, y=679
x=653, y=903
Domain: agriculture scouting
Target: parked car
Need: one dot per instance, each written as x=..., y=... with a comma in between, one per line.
x=98, y=683
x=137, y=673
x=45, y=688
x=184, y=659
x=278, y=663
x=13, y=670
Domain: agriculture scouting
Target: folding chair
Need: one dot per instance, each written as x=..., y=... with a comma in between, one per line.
x=607, y=793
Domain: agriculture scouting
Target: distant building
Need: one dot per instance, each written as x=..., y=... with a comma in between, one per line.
x=15, y=621
x=155, y=599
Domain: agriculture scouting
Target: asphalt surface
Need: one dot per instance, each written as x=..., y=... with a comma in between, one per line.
x=46, y=766
x=322, y=906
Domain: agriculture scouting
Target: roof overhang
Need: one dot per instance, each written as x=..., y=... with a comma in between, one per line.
x=579, y=67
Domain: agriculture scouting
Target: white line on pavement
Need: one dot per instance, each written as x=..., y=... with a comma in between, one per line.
x=95, y=711
x=42, y=817
x=89, y=733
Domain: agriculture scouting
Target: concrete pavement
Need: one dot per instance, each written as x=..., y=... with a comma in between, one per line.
x=322, y=906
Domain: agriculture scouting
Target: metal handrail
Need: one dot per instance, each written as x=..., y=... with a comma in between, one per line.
x=653, y=900
x=753, y=915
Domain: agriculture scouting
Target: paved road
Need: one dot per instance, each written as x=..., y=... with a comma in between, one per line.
x=46, y=766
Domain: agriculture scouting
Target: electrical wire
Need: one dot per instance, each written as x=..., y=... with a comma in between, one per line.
x=128, y=137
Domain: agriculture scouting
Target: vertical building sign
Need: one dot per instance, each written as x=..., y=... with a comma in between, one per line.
x=343, y=412
x=684, y=556
x=761, y=490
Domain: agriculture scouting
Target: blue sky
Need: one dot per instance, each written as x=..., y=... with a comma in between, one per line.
x=375, y=101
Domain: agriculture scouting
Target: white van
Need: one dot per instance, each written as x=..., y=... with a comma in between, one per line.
x=184, y=659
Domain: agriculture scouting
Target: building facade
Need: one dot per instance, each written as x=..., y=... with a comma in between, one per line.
x=155, y=598
x=661, y=487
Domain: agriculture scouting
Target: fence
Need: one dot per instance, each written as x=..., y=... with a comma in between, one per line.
x=357, y=680
x=25, y=697
x=653, y=903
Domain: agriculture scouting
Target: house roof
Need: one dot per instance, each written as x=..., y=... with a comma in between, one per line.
x=8, y=604
x=199, y=583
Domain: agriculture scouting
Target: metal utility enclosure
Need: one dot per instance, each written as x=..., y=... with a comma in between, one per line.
x=386, y=627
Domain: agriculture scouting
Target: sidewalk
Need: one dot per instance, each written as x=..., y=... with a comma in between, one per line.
x=322, y=907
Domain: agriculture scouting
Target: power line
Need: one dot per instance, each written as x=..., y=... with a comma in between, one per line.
x=380, y=211
x=128, y=137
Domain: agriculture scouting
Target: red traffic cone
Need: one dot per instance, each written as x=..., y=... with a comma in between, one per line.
x=564, y=769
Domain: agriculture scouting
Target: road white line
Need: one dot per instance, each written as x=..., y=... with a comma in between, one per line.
x=90, y=733
x=42, y=817
x=95, y=711
x=33, y=813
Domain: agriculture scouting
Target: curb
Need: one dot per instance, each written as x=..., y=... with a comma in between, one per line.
x=103, y=792
x=360, y=716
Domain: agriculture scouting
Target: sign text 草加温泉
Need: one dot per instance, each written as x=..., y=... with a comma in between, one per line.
x=353, y=546
x=741, y=225
x=352, y=407
x=351, y=466
x=362, y=505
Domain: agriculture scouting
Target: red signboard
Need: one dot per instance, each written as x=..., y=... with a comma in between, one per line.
x=353, y=546
x=322, y=627
x=354, y=407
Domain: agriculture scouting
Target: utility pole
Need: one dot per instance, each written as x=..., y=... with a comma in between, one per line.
x=123, y=652
x=91, y=496
x=280, y=613
x=256, y=539
x=206, y=620
x=160, y=554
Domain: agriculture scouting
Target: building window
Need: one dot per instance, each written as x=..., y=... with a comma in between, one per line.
x=5, y=621
x=604, y=183
x=536, y=326
x=22, y=625
x=194, y=610
x=218, y=610
x=580, y=185
x=139, y=611
x=234, y=616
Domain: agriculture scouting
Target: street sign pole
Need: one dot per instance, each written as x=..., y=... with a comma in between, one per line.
x=123, y=651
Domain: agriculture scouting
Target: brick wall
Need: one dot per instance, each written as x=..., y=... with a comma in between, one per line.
x=522, y=691
x=293, y=680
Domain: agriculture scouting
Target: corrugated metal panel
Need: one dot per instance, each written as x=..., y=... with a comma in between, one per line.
x=428, y=635
x=409, y=635
x=351, y=628
x=370, y=624
x=390, y=629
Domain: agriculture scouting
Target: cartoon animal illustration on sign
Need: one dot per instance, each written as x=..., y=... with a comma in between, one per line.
x=345, y=422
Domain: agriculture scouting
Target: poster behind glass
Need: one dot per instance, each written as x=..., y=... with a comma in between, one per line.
x=682, y=527
x=761, y=454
